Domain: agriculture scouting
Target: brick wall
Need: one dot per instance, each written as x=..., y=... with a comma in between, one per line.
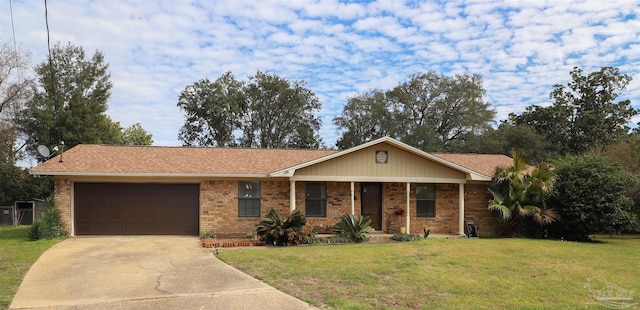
x=394, y=201
x=476, y=201
x=219, y=206
x=62, y=194
x=446, y=219
x=338, y=202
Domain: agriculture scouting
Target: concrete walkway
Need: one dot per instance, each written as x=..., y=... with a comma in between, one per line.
x=142, y=272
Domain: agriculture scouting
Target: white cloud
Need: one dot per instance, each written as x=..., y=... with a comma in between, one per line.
x=156, y=48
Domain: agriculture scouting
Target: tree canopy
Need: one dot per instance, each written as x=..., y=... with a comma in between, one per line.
x=213, y=110
x=70, y=101
x=531, y=145
x=135, y=135
x=585, y=113
x=431, y=111
x=15, y=89
x=267, y=111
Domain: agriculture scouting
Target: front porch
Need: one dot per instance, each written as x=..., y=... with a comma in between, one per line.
x=393, y=206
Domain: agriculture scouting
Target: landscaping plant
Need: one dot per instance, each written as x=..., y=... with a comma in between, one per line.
x=592, y=196
x=520, y=194
x=353, y=228
x=406, y=237
x=208, y=235
x=280, y=230
x=49, y=225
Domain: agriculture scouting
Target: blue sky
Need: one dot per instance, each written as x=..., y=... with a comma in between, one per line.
x=156, y=48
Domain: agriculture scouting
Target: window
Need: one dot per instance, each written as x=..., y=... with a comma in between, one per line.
x=248, y=199
x=316, y=199
x=426, y=200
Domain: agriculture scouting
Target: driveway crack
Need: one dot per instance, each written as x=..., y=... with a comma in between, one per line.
x=159, y=283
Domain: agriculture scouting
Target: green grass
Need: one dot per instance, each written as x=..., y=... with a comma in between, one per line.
x=445, y=273
x=17, y=254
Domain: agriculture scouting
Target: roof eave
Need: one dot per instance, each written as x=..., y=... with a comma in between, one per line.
x=478, y=177
x=147, y=174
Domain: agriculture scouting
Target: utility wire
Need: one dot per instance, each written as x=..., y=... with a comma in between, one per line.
x=46, y=20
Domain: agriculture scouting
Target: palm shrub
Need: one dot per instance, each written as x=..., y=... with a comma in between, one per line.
x=353, y=228
x=34, y=231
x=49, y=225
x=280, y=230
x=520, y=192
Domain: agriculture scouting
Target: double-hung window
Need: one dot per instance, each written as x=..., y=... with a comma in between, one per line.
x=426, y=200
x=248, y=199
x=316, y=199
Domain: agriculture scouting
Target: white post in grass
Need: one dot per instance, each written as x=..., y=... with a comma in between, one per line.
x=292, y=196
x=353, y=200
x=461, y=209
x=408, y=204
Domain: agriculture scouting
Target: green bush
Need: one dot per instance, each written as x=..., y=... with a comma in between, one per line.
x=406, y=237
x=284, y=230
x=34, y=231
x=208, y=235
x=353, y=228
x=591, y=197
x=49, y=225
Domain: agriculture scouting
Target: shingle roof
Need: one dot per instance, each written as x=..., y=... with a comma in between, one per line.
x=481, y=163
x=97, y=159
x=89, y=159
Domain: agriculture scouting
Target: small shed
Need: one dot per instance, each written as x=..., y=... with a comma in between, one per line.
x=27, y=212
x=6, y=215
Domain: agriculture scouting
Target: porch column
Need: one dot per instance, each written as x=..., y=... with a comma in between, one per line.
x=461, y=209
x=353, y=200
x=292, y=196
x=408, y=223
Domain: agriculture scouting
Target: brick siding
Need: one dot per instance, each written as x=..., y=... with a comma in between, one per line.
x=62, y=197
x=219, y=206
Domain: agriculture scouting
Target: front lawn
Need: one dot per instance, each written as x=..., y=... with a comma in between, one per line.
x=445, y=273
x=17, y=254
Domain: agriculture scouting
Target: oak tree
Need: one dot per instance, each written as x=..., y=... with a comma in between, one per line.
x=213, y=111
x=431, y=111
x=585, y=113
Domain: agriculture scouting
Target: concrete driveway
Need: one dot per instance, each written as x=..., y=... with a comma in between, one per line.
x=142, y=272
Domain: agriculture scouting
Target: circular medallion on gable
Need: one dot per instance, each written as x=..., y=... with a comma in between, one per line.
x=382, y=157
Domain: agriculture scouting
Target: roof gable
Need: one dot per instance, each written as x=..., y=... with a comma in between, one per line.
x=362, y=165
x=473, y=166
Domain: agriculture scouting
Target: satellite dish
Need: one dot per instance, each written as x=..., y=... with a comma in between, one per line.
x=44, y=151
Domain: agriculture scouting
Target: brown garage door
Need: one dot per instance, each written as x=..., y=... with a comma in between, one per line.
x=136, y=209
